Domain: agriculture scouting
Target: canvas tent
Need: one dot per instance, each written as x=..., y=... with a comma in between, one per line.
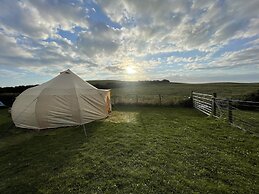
x=65, y=100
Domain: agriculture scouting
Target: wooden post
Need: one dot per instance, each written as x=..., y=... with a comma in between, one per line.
x=160, y=99
x=230, y=115
x=136, y=99
x=115, y=100
x=191, y=98
x=214, y=106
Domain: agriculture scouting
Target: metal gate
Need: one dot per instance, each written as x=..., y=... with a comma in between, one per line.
x=204, y=103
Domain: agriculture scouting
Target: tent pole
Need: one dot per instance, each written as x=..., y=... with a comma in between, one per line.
x=84, y=130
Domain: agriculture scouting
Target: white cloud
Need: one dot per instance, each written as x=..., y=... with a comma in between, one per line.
x=99, y=39
x=40, y=19
x=186, y=24
x=248, y=58
x=9, y=48
x=30, y=40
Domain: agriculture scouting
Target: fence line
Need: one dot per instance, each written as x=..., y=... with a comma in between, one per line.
x=141, y=99
x=239, y=113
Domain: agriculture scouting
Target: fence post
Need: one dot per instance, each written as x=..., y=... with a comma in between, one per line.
x=117, y=100
x=136, y=99
x=214, y=107
x=191, y=98
x=160, y=99
x=230, y=115
x=114, y=100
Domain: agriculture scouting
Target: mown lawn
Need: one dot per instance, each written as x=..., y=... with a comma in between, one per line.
x=135, y=150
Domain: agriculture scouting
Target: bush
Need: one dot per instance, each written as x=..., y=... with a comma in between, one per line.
x=253, y=96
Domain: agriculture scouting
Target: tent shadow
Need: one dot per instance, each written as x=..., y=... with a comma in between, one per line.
x=33, y=157
x=56, y=156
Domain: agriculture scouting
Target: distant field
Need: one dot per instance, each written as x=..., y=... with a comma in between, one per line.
x=136, y=150
x=172, y=93
x=235, y=90
x=222, y=89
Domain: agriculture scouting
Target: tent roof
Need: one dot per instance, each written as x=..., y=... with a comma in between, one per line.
x=64, y=81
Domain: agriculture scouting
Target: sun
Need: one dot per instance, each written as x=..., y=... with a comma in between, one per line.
x=130, y=70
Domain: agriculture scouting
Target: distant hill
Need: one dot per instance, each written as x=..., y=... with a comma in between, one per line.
x=179, y=91
x=110, y=84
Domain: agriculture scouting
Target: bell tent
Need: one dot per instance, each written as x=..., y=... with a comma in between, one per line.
x=65, y=100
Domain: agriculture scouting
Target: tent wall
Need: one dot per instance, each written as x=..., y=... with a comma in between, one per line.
x=66, y=100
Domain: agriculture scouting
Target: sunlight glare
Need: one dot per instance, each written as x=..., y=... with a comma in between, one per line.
x=130, y=70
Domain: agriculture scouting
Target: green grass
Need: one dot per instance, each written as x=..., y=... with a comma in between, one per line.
x=177, y=93
x=135, y=150
x=124, y=92
x=234, y=90
x=247, y=120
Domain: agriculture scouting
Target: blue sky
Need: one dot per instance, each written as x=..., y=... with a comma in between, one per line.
x=183, y=41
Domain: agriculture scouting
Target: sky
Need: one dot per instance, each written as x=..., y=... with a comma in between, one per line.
x=189, y=41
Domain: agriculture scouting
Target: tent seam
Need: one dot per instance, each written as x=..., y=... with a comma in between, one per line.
x=80, y=115
x=36, y=114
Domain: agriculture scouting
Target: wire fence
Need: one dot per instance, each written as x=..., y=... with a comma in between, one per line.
x=159, y=99
x=241, y=114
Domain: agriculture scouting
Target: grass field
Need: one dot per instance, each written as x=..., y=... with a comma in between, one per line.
x=175, y=93
x=135, y=150
x=234, y=90
x=125, y=92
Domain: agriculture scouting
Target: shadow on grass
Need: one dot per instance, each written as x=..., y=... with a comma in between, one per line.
x=135, y=150
x=29, y=159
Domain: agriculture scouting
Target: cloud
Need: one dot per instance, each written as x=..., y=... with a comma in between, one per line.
x=114, y=69
x=243, y=58
x=42, y=57
x=9, y=48
x=40, y=19
x=99, y=39
x=102, y=38
x=185, y=24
